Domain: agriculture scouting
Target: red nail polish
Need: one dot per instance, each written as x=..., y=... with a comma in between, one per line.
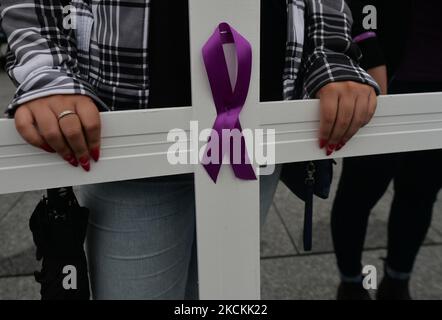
x=71, y=159
x=330, y=149
x=47, y=148
x=95, y=154
x=85, y=163
x=322, y=143
x=86, y=167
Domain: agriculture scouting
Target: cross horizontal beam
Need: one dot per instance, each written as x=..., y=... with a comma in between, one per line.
x=401, y=123
x=135, y=142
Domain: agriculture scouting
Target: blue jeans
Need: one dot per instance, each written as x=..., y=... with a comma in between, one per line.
x=141, y=237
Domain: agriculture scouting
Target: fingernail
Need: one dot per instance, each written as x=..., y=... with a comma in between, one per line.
x=322, y=143
x=330, y=149
x=47, y=148
x=71, y=159
x=95, y=154
x=85, y=163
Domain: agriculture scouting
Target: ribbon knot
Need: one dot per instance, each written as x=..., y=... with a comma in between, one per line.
x=228, y=102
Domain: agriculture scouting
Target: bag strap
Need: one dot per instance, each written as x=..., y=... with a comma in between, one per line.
x=308, y=208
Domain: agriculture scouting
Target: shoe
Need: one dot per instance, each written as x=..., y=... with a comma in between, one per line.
x=352, y=291
x=393, y=289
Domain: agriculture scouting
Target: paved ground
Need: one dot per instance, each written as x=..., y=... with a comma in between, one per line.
x=286, y=271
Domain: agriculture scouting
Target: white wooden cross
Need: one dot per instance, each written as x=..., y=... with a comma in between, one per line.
x=135, y=146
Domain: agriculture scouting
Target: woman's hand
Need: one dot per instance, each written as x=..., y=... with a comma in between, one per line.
x=75, y=137
x=345, y=107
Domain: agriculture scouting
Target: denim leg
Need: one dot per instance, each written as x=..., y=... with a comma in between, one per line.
x=140, y=238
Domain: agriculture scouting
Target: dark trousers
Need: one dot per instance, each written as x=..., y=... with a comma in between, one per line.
x=417, y=180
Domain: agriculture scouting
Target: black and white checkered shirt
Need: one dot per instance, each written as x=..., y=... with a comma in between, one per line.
x=104, y=53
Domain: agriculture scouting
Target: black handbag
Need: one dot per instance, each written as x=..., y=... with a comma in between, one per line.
x=306, y=179
x=58, y=226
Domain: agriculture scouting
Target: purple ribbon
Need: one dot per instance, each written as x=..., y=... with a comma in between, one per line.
x=364, y=36
x=228, y=102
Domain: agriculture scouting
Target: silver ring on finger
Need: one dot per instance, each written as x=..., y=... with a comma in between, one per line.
x=65, y=114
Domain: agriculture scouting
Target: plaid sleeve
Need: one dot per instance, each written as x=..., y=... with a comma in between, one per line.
x=331, y=54
x=42, y=57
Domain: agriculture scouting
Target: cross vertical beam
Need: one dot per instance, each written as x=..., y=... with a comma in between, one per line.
x=227, y=212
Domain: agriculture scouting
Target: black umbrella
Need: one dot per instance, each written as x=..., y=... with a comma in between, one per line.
x=58, y=226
